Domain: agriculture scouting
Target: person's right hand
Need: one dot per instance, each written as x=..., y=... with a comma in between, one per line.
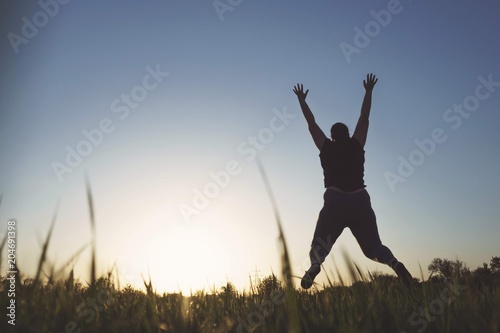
x=299, y=91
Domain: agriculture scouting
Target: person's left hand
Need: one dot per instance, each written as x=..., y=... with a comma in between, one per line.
x=370, y=81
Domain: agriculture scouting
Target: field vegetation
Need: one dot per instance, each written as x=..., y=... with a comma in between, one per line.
x=454, y=299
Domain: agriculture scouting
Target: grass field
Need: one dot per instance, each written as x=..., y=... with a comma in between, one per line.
x=381, y=305
x=51, y=302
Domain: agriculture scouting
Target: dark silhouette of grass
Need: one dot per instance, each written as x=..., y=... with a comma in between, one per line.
x=70, y=262
x=4, y=239
x=293, y=319
x=374, y=304
x=43, y=256
x=93, y=231
x=2, y=245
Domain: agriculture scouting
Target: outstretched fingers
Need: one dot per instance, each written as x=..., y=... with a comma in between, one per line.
x=371, y=78
x=370, y=81
x=299, y=90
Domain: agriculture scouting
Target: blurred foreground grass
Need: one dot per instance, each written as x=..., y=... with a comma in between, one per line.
x=381, y=305
x=59, y=303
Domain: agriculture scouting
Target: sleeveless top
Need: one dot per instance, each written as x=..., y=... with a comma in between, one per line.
x=343, y=164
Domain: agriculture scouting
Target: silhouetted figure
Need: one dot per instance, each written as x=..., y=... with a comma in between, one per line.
x=346, y=202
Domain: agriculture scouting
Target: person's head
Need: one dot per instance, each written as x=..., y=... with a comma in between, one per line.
x=340, y=132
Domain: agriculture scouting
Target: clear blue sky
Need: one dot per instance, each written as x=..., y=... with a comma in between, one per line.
x=227, y=81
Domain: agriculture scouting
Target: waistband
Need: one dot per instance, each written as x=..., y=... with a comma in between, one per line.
x=335, y=188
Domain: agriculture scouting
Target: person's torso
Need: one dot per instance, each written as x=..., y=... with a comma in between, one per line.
x=343, y=164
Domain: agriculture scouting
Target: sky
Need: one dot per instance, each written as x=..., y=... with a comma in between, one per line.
x=167, y=105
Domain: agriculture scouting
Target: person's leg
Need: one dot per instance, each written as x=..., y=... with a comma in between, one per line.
x=328, y=228
x=365, y=230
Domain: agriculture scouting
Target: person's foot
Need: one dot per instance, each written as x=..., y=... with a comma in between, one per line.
x=403, y=273
x=308, y=278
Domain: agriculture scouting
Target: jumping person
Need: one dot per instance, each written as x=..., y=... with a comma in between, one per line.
x=346, y=202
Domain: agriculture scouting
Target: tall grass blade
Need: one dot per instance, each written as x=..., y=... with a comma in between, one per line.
x=50, y=276
x=70, y=281
x=361, y=276
x=92, y=228
x=2, y=245
x=330, y=283
x=251, y=284
x=110, y=272
x=351, y=267
x=341, y=280
x=43, y=255
x=70, y=261
x=421, y=272
x=370, y=275
x=293, y=319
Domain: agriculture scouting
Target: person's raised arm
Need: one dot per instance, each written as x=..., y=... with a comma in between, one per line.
x=317, y=134
x=361, y=130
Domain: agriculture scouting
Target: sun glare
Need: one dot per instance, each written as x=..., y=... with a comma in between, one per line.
x=181, y=258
